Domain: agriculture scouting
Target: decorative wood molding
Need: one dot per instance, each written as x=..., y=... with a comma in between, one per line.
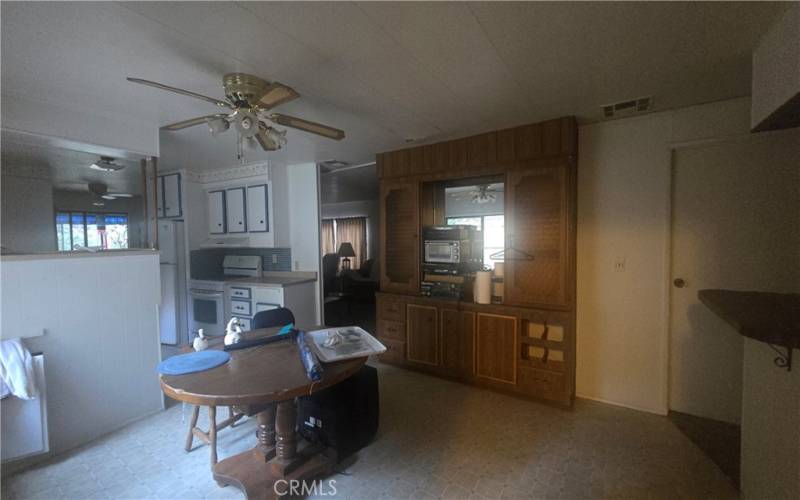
x=233, y=173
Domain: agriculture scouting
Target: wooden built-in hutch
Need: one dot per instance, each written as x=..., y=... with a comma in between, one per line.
x=526, y=345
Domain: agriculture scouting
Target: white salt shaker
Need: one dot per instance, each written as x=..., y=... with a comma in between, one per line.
x=200, y=342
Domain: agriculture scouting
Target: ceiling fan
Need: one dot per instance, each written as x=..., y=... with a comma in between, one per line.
x=101, y=190
x=482, y=194
x=106, y=164
x=248, y=107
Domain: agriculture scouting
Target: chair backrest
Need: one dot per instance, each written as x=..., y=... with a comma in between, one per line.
x=366, y=268
x=274, y=317
x=330, y=266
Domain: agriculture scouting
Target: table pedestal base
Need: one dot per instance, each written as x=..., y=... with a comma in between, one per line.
x=254, y=476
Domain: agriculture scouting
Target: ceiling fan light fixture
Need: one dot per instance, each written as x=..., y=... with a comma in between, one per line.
x=269, y=138
x=484, y=198
x=106, y=164
x=217, y=125
x=246, y=122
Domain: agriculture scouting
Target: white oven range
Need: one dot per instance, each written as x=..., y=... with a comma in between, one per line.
x=207, y=307
x=207, y=297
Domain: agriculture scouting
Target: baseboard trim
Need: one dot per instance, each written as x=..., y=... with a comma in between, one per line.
x=623, y=405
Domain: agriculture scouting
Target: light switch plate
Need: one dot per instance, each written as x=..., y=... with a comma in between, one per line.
x=619, y=264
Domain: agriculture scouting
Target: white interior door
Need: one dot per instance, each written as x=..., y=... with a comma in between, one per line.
x=735, y=225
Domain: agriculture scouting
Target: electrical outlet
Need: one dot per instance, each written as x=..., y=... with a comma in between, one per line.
x=274, y=258
x=619, y=264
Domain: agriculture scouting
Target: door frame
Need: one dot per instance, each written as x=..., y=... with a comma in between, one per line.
x=740, y=138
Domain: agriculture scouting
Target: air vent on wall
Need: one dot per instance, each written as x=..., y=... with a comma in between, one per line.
x=626, y=108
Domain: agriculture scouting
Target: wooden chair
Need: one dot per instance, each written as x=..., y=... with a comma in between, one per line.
x=264, y=319
x=210, y=437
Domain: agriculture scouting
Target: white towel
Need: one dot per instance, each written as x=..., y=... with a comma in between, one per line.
x=16, y=369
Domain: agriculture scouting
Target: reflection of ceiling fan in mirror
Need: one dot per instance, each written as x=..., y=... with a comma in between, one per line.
x=484, y=193
x=101, y=190
x=106, y=164
x=248, y=108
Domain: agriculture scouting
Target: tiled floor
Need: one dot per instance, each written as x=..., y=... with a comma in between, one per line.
x=436, y=439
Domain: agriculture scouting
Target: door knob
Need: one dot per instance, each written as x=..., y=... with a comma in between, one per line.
x=679, y=283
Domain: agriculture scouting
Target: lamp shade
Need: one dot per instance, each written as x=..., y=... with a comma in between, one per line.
x=346, y=250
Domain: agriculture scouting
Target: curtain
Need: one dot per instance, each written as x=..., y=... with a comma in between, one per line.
x=354, y=230
x=328, y=237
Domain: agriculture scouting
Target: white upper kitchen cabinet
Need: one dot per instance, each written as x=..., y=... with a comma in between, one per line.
x=258, y=208
x=216, y=212
x=236, y=212
x=171, y=195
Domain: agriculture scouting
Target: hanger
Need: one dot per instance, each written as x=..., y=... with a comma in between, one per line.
x=518, y=255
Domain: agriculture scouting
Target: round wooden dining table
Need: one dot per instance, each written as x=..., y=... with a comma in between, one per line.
x=265, y=381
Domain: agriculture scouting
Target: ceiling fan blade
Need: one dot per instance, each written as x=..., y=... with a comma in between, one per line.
x=277, y=94
x=108, y=197
x=308, y=126
x=222, y=104
x=188, y=123
x=120, y=195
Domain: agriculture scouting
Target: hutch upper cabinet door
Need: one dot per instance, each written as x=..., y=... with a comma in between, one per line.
x=399, y=236
x=538, y=227
x=216, y=212
x=235, y=208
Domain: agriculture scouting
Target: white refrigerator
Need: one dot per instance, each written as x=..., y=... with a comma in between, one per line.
x=173, y=312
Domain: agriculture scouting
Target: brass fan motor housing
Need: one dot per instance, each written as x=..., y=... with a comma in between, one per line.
x=243, y=89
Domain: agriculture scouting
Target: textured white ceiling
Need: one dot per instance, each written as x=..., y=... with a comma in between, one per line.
x=383, y=71
x=349, y=184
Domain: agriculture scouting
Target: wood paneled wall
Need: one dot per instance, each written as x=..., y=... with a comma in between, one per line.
x=496, y=346
x=482, y=154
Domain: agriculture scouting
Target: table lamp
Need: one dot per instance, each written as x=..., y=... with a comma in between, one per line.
x=346, y=250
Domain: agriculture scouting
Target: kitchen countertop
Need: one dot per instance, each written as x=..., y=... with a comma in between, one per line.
x=278, y=279
x=273, y=281
x=773, y=318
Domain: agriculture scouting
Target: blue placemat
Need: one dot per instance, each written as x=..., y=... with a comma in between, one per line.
x=193, y=362
x=286, y=329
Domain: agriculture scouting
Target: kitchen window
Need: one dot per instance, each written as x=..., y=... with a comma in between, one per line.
x=101, y=231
